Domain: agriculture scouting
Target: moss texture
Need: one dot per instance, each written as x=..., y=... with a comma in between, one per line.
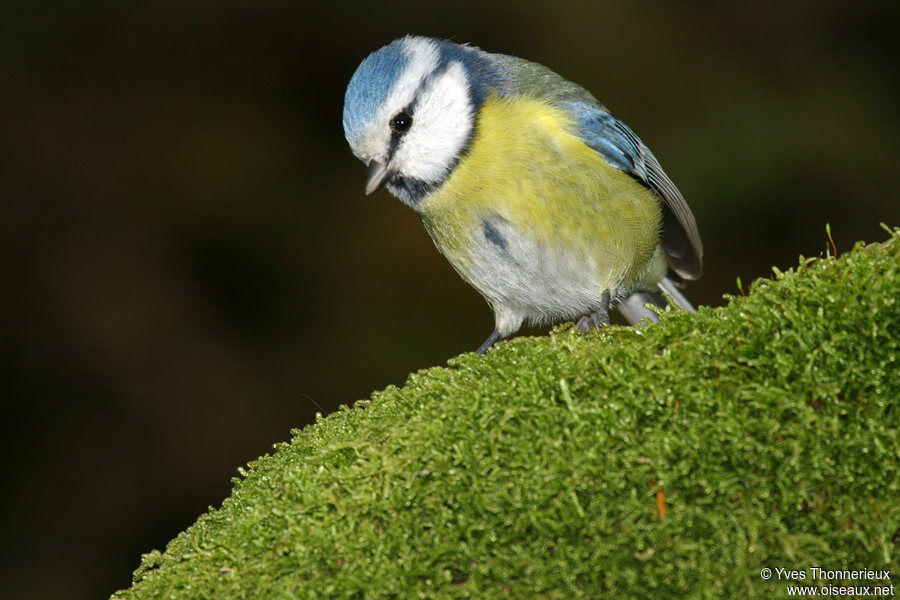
x=675, y=461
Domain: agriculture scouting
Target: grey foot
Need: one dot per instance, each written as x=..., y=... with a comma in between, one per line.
x=492, y=339
x=593, y=321
x=597, y=319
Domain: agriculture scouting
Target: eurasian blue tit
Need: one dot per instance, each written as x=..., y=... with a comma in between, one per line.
x=543, y=201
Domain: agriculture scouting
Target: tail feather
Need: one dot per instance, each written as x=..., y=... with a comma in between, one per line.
x=634, y=308
x=666, y=286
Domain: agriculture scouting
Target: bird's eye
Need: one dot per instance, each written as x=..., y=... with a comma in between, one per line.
x=401, y=122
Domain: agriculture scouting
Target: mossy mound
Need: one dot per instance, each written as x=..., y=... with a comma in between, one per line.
x=675, y=461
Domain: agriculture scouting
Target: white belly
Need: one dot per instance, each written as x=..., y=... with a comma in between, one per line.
x=525, y=280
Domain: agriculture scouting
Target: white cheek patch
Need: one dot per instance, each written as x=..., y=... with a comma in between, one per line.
x=442, y=122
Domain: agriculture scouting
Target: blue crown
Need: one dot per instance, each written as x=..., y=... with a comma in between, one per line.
x=370, y=85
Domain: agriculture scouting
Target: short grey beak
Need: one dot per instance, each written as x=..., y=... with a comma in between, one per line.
x=376, y=176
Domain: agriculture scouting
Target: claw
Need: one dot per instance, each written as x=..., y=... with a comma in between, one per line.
x=598, y=318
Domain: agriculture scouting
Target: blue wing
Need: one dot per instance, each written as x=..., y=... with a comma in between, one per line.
x=621, y=148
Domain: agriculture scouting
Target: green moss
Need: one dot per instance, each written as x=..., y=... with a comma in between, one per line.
x=769, y=426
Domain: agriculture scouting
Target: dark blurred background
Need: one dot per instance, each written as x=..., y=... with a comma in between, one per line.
x=190, y=269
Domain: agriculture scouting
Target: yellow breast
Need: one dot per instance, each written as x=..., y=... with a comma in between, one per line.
x=526, y=166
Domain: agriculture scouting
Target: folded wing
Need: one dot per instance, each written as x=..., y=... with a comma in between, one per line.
x=619, y=146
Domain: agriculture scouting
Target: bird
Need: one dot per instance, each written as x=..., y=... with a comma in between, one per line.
x=542, y=200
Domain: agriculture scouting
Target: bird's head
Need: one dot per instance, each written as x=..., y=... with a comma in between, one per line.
x=410, y=110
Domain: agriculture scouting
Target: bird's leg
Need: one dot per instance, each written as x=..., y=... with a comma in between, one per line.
x=598, y=318
x=492, y=339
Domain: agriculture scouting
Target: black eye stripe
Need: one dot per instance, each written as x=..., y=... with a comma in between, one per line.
x=399, y=124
